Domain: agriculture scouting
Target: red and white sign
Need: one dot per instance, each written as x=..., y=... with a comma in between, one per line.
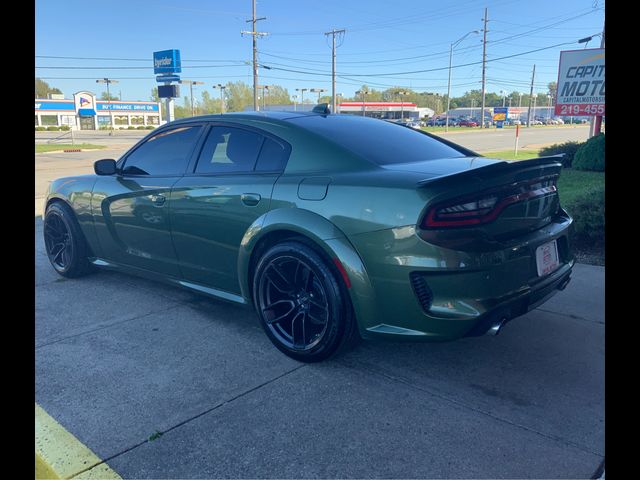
x=580, y=89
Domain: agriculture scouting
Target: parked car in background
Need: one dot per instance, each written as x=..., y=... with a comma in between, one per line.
x=402, y=236
x=468, y=123
x=413, y=124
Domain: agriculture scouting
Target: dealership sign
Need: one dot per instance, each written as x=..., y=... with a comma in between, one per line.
x=167, y=62
x=580, y=89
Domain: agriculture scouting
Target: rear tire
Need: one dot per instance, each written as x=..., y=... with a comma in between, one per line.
x=64, y=242
x=303, y=308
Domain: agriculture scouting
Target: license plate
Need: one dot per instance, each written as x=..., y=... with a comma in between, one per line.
x=547, y=258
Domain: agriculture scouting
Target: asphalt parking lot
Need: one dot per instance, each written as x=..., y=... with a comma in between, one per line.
x=121, y=359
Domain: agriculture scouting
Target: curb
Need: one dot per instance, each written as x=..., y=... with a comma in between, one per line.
x=61, y=455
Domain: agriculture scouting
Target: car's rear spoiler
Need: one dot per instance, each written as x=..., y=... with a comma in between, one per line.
x=551, y=163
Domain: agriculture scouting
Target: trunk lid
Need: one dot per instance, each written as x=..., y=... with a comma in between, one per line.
x=477, y=202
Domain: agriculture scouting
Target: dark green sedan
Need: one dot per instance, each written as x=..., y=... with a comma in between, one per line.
x=332, y=227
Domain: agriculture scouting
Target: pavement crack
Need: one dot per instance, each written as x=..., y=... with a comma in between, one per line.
x=574, y=317
x=208, y=410
x=103, y=327
x=358, y=365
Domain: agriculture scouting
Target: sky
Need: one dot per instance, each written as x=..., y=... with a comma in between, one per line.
x=386, y=43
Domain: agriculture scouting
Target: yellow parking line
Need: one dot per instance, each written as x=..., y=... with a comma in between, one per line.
x=60, y=455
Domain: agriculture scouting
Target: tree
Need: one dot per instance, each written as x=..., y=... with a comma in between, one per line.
x=239, y=95
x=43, y=89
x=276, y=95
x=553, y=87
x=154, y=95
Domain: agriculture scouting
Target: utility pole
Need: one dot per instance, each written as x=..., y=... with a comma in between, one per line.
x=333, y=67
x=484, y=63
x=533, y=76
x=255, y=34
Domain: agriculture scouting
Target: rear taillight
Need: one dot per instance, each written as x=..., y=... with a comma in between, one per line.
x=486, y=206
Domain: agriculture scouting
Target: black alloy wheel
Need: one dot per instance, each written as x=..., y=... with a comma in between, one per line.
x=301, y=305
x=64, y=242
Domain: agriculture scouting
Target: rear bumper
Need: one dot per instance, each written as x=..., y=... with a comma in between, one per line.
x=525, y=302
x=464, y=293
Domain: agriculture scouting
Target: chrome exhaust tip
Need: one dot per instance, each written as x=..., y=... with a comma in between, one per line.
x=497, y=326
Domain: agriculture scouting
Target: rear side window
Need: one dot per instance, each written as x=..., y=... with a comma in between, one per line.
x=164, y=154
x=229, y=150
x=273, y=157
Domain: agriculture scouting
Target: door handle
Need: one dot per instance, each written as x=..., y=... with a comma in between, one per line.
x=250, y=199
x=158, y=200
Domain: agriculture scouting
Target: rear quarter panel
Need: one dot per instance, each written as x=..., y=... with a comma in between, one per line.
x=76, y=192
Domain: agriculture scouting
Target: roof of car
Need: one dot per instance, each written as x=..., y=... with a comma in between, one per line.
x=276, y=115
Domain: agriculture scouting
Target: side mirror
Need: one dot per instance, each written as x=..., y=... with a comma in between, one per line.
x=105, y=167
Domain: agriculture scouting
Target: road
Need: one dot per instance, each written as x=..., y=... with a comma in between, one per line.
x=504, y=139
x=478, y=140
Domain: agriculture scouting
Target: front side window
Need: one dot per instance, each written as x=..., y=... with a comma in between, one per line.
x=229, y=150
x=164, y=154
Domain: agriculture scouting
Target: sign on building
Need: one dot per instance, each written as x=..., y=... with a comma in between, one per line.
x=580, y=89
x=85, y=104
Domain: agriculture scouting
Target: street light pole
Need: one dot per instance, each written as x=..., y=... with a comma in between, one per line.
x=295, y=103
x=221, y=87
x=318, y=91
x=301, y=90
x=452, y=46
x=362, y=93
x=191, y=84
x=401, y=94
x=108, y=81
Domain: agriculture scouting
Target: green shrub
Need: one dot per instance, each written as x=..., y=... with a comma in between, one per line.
x=149, y=127
x=53, y=128
x=568, y=148
x=40, y=129
x=131, y=127
x=65, y=128
x=141, y=127
x=587, y=211
x=590, y=156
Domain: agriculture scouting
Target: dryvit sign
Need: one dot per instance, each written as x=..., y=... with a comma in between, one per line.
x=581, y=83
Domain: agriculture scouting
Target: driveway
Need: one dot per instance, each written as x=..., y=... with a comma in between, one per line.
x=163, y=383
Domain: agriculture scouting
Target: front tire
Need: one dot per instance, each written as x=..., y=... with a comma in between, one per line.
x=303, y=309
x=64, y=242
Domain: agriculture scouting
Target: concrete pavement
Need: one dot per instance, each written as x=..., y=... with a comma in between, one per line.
x=119, y=359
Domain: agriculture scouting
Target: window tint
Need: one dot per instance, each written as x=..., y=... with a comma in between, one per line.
x=164, y=154
x=229, y=149
x=377, y=140
x=273, y=157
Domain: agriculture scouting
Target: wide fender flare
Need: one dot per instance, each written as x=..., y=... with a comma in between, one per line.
x=326, y=236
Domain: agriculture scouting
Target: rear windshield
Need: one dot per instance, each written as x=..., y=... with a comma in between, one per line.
x=376, y=140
